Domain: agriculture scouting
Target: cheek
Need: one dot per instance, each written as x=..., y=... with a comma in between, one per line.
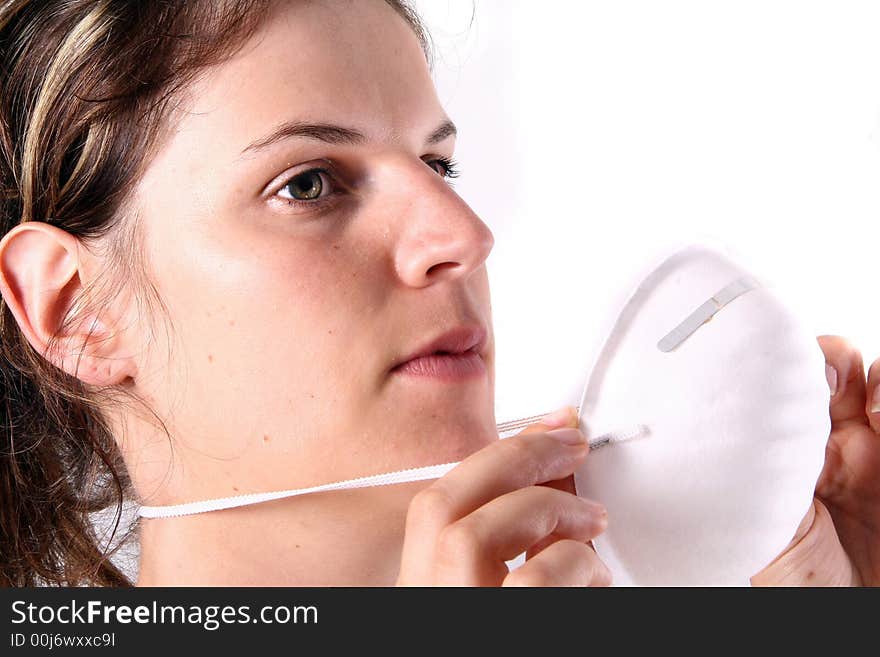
x=278, y=318
x=274, y=298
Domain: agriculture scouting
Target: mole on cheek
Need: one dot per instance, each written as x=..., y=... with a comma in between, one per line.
x=210, y=358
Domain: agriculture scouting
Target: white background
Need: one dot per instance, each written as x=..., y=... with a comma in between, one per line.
x=594, y=136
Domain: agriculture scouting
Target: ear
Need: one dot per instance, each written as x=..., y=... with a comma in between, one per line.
x=42, y=273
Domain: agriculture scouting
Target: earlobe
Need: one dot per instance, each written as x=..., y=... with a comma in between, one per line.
x=41, y=276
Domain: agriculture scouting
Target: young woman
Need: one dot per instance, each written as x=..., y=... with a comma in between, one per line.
x=227, y=231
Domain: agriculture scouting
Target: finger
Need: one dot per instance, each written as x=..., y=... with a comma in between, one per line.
x=564, y=417
x=873, y=401
x=564, y=563
x=504, y=466
x=567, y=416
x=848, y=401
x=473, y=550
x=566, y=484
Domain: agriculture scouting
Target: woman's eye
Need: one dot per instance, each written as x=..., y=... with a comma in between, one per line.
x=307, y=186
x=444, y=166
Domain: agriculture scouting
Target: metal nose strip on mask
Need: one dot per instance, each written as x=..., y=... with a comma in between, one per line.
x=705, y=312
x=398, y=477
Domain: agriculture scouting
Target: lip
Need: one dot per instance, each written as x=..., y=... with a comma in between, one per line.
x=454, y=355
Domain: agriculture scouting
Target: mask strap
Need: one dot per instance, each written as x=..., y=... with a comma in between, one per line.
x=397, y=477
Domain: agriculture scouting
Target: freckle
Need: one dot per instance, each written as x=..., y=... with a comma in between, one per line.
x=330, y=332
x=232, y=322
x=266, y=438
x=811, y=575
x=297, y=545
x=311, y=395
x=210, y=358
x=336, y=247
x=235, y=488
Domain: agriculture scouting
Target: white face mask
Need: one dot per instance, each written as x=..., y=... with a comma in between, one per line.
x=731, y=395
x=712, y=435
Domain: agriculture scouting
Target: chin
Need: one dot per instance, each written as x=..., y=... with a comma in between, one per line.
x=457, y=439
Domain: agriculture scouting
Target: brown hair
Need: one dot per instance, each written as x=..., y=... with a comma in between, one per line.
x=87, y=87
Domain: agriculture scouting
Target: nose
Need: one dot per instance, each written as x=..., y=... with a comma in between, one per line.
x=441, y=237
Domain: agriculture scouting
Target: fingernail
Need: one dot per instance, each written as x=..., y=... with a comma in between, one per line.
x=598, y=509
x=831, y=376
x=557, y=418
x=600, y=517
x=568, y=436
x=875, y=400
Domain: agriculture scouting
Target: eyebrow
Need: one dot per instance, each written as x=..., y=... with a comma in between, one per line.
x=335, y=134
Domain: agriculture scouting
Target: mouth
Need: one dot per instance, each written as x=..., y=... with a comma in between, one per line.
x=455, y=355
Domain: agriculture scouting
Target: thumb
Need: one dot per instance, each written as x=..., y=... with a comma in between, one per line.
x=814, y=557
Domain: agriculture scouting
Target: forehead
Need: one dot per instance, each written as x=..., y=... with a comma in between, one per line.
x=354, y=63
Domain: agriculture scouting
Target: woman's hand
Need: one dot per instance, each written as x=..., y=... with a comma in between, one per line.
x=838, y=542
x=511, y=497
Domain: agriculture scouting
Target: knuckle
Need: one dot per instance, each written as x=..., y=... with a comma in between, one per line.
x=459, y=541
x=434, y=502
x=556, y=503
x=544, y=502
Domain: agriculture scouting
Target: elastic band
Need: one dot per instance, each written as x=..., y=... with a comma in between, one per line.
x=388, y=478
x=216, y=504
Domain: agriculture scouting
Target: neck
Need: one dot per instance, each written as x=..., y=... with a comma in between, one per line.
x=339, y=538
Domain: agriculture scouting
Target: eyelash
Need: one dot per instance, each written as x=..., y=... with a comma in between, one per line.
x=450, y=168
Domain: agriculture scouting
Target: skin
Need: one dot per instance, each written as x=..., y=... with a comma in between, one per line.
x=287, y=320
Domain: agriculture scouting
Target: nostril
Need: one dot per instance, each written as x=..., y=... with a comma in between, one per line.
x=439, y=266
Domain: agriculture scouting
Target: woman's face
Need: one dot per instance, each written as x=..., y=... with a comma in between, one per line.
x=293, y=294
